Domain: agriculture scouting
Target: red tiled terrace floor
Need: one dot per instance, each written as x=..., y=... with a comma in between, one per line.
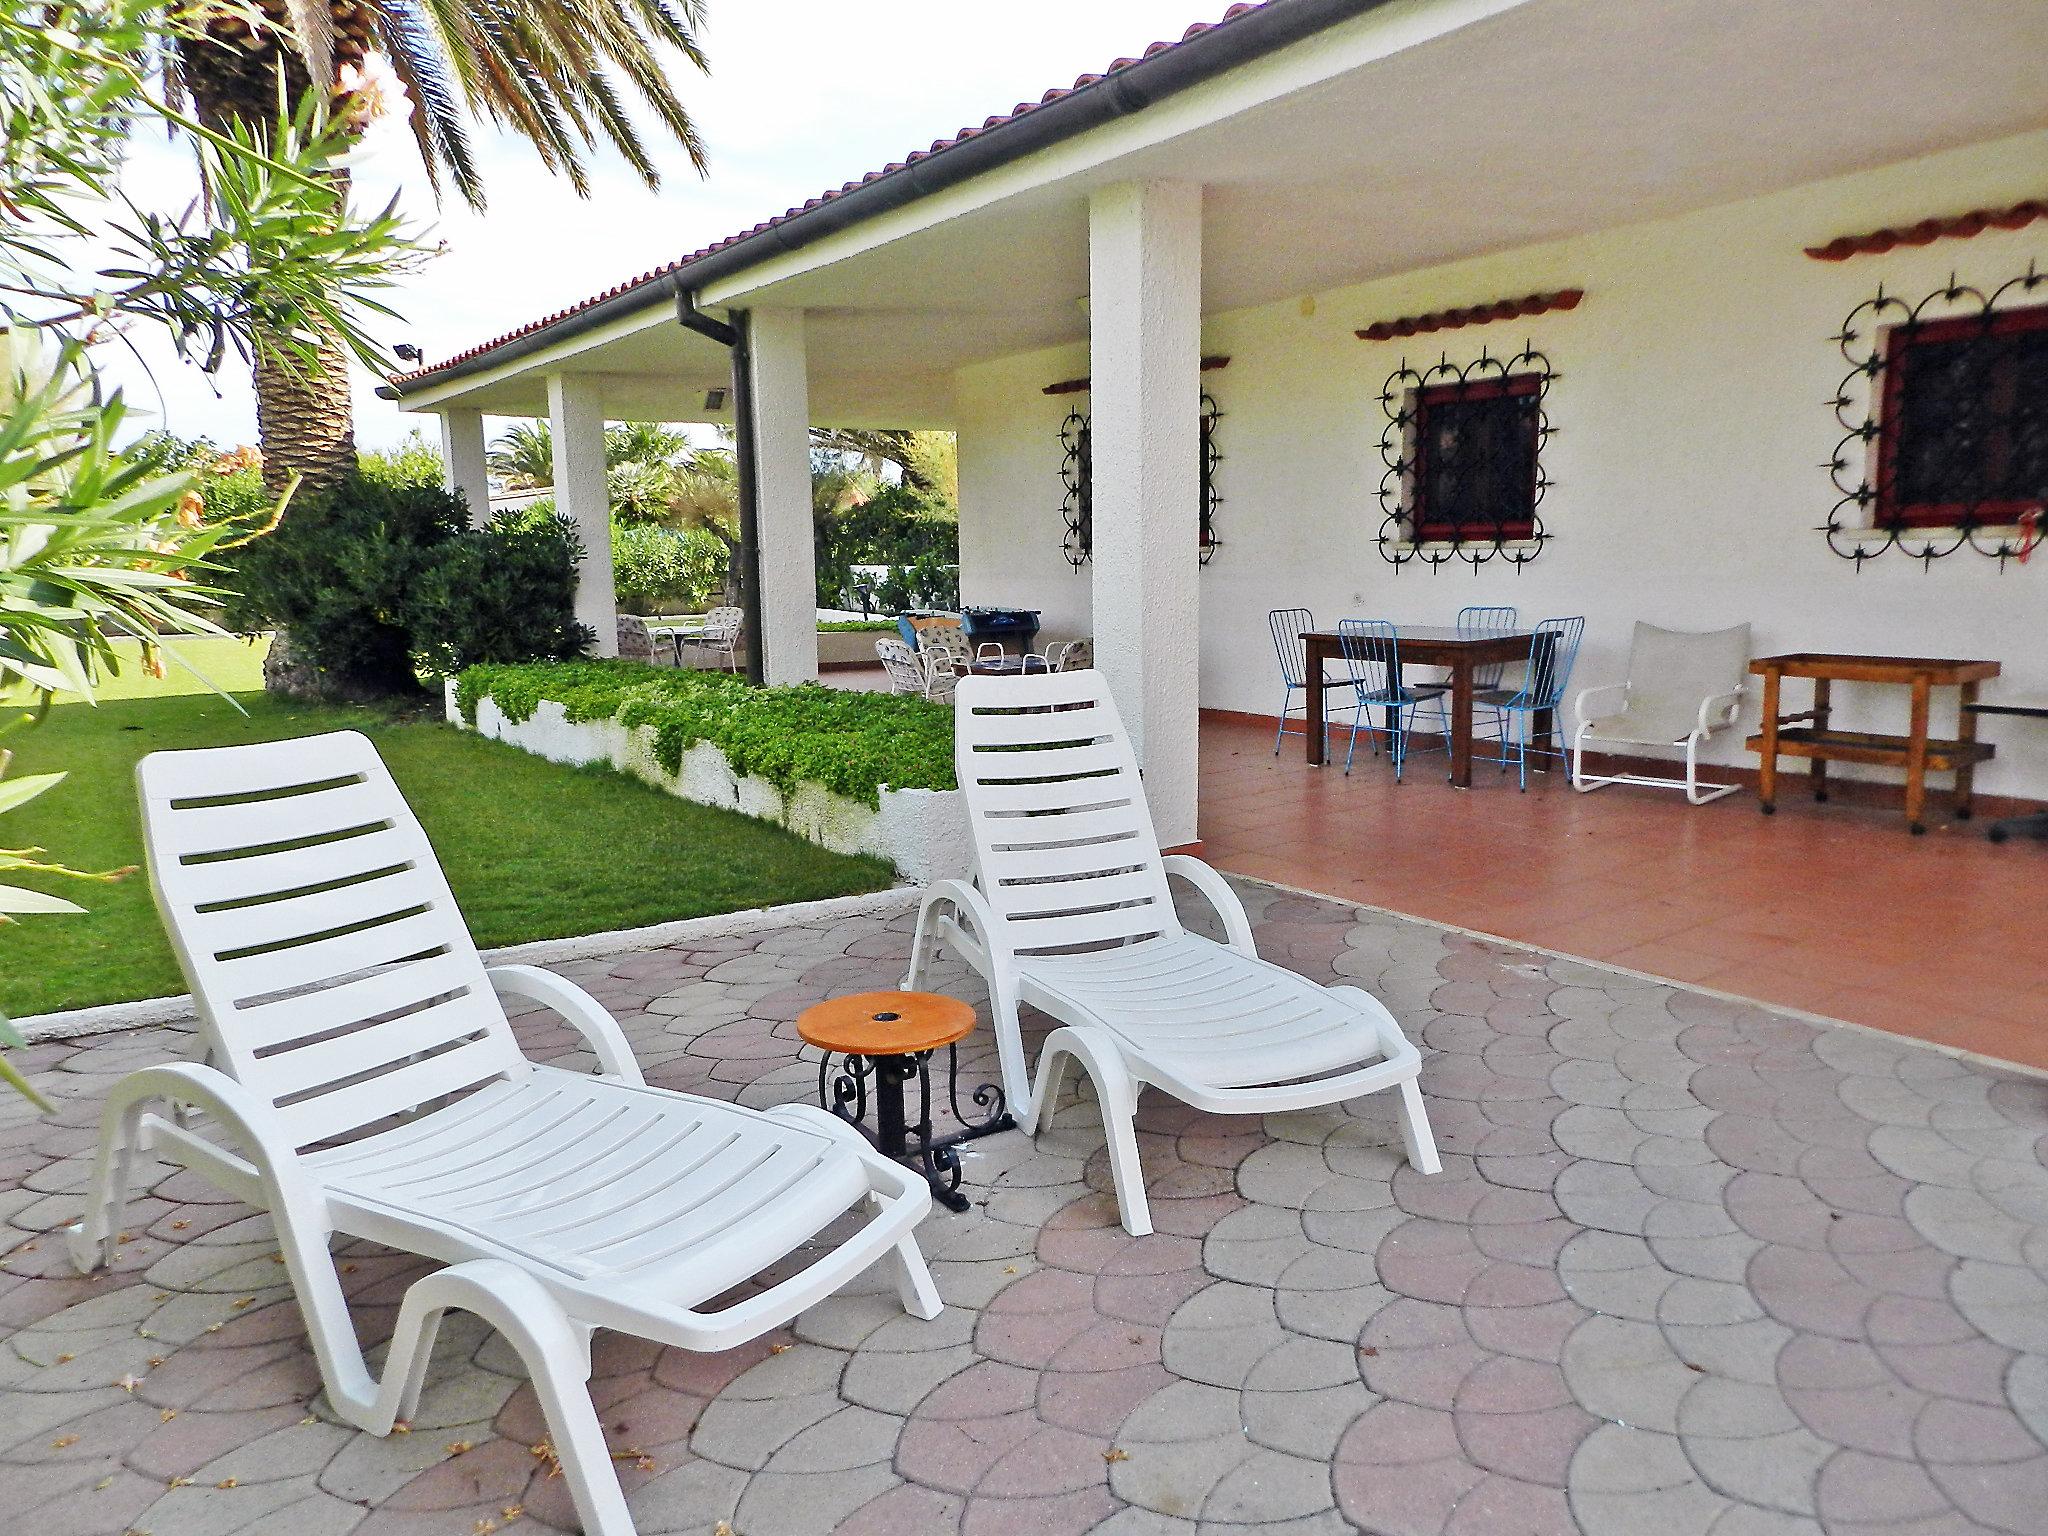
x=1832, y=909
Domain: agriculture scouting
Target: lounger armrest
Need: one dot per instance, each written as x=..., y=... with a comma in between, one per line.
x=1237, y=927
x=1581, y=706
x=584, y=1013
x=965, y=899
x=1718, y=710
x=264, y=1162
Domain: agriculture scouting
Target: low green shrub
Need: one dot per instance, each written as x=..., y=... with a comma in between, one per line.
x=856, y=626
x=382, y=577
x=851, y=743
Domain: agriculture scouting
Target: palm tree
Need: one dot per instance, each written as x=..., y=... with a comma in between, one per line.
x=549, y=70
x=523, y=456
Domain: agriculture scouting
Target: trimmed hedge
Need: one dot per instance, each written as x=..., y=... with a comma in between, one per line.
x=857, y=627
x=851, y=743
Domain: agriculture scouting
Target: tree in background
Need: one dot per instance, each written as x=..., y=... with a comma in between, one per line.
x=929, y=461
x=97, y=546
x=548, y=71
x=523, y=456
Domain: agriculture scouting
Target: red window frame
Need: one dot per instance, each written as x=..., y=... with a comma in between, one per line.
x=1899, y=344
x=1514, y=386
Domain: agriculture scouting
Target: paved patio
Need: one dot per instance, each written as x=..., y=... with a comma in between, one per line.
x=1692, y=1267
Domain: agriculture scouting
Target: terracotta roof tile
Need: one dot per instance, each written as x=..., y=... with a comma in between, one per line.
x=938, y=146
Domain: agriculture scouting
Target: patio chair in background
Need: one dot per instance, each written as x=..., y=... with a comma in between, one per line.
x=1288, y=626
x=943, y=650
x=1381, y=704
x=366, y=1082
x=719, y=638
x=906, y=672
x=637, y=640
x=1477, y=620
x=1070, y=655
x=1066, y=863
x=1553, y=647
x=1682, y=687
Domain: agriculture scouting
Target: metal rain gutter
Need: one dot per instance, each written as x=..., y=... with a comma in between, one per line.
x=1204, y=57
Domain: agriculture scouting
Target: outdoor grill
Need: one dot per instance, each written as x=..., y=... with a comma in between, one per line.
x=1016, y=628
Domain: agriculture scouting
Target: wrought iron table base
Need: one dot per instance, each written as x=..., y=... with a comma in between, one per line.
x=845, y=1094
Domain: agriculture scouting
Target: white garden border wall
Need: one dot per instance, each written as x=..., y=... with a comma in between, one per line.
x=922, y=832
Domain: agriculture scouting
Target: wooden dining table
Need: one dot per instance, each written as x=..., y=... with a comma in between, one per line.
x=1461, y=652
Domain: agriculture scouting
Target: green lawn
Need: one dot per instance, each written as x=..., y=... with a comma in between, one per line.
x=532, y=850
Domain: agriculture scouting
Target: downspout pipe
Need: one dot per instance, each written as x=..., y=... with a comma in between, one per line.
x=736, y=336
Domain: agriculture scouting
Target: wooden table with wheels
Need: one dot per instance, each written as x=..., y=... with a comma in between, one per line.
x=1809, y=733
x=1425, y=645
x=883, y=1040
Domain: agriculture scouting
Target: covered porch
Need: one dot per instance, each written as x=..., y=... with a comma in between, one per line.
x=1298, y=234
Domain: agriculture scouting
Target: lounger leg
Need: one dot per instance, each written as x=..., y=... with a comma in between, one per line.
x=556, y=1354
x=913, y=1278
x=1039, y=1107
x=1415, y=1130
x=1002, y=998
x=924, y=945
x=106, y=1200
x=1118, y=1095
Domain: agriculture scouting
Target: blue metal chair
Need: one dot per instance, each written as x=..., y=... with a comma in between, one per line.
x=1372, y=659
x=1553, y=648
x=1480, y=621
x=1288, y=625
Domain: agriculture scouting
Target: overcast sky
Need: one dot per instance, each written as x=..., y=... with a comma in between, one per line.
x=802, y=95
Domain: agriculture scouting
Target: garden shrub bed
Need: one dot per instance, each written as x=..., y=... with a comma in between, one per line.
x=850, y=743
x=853, y=772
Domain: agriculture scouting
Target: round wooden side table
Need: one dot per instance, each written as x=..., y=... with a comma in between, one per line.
x=883, y=1040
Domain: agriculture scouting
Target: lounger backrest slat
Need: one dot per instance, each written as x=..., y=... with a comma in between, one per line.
x=332, y=971
x=1064, y=847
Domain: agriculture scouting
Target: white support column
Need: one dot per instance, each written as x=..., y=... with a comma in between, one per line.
x=782, y=492
x=462, y=456
x=577, y=420
x=1144, y=368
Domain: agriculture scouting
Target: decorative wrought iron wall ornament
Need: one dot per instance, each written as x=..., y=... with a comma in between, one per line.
x=1866, y=476
x=1487, y=481
x=1211, y=457
x=1077, y=505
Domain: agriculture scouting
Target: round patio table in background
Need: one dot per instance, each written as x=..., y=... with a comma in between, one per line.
x=883, y=1040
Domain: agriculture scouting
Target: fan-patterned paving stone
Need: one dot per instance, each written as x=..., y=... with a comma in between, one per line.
x=1692, y=1266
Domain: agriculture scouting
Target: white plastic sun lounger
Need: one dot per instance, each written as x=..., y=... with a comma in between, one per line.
x=1069, y=911
x=365, y=1082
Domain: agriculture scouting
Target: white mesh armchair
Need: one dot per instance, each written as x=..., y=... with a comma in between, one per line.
x=1682, y=688
x=718, y=639
x=363, y=1080
x=1069, y=913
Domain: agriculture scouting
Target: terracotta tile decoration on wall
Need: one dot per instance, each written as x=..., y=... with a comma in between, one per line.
x=1961, y=226
x=1472, y=314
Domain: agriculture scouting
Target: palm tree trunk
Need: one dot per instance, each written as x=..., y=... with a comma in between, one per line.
x=305, y=418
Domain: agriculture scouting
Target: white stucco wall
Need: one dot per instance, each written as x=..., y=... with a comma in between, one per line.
x=1691, y=422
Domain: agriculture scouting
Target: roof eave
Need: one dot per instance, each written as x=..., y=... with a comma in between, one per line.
x=1127, y=87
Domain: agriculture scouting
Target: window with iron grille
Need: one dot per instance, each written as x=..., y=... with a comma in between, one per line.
x=1475, y=472
x=1962, y=432
x=1077, y=478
